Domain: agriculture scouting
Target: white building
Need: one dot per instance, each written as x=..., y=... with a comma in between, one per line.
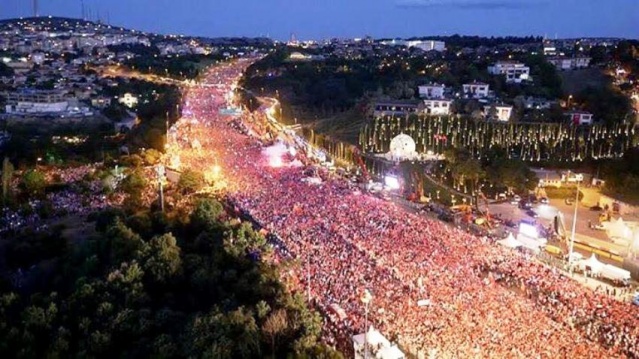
x=580, y=117
x=437, y=106
x=476, y=90
x=427, y=45
x=128, y=100
x=503, y=112
x=35, y=102
x=569, y=63
x=431, y=90
x=515, y=72
x=375, y=345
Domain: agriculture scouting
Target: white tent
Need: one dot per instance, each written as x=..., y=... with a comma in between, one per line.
x=592, y=263
x=510, y=242
x=531, y=243
x=619, y=229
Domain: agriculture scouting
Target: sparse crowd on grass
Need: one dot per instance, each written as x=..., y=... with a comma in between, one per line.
x=436, y=289
x=80, y=193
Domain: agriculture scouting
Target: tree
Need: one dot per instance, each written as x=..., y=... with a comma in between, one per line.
x=134, y=183
x=207, y=213
x=34, y=182
x=191, y=181
x=274, y=326
x=513, y=174
x=7, y=174
x=124, y=244
x=162, y=258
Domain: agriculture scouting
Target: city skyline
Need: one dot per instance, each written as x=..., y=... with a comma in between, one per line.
x=381, y=19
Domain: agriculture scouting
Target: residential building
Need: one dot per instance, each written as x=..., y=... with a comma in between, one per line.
x=431, y=90
x=28, y=101
x=395, y=108
x=569, y=63
x=437, y=106
x=128, y=100
x=580, y=117
x=535, y=103
x=476, y=90
x=502, y=113
x=515, y=72
x=101, y=102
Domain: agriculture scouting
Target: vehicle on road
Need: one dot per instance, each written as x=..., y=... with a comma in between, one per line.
x=616, y=275
x=515, y=200
x=532, y=213
x=599, y=227
x=523, y=204
x=576, y=256
x=569, y=201
x=544, y=200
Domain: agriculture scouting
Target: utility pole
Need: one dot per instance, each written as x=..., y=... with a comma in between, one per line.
x=308, y=279
x=161, y=172
x=35, y=8
x=574, y=227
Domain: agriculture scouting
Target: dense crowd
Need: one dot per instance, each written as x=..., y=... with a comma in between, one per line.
x=437, y=291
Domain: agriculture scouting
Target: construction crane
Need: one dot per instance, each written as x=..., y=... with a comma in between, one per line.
x=357, y=156
x=486, y=215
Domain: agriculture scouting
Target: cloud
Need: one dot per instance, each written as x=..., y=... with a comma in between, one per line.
x=470, y=4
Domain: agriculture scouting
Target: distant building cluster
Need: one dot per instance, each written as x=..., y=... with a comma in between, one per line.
x=50, y=60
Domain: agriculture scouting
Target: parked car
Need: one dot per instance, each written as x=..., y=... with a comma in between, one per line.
x=576, y=256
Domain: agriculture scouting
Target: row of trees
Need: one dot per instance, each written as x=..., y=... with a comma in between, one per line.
x=490, y=174
x=154, y=285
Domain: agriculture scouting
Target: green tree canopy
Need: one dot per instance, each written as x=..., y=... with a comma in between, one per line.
x=33, y=182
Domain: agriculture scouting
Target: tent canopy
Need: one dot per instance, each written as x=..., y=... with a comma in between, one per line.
x=510, y=242
x=593, y=263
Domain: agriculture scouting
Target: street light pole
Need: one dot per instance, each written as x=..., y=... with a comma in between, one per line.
x=366, y=299
x=161, y=173
x=574, y=227
x=308, y=279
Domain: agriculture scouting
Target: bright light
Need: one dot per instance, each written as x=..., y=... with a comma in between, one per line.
x=292, y=151
x=391, y=182
x=216, y=170
x=275, y=161
x=528, y=230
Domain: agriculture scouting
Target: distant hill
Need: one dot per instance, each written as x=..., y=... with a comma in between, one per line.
x=63, y=24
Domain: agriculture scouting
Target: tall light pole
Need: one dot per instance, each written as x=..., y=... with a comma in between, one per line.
x=161, y=172
x=366, y=299
x=308, y=279
x=574, y=227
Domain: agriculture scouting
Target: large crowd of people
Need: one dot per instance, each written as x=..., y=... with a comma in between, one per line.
x=436, y=290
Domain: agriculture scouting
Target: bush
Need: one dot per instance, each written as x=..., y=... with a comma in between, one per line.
x=563, y=193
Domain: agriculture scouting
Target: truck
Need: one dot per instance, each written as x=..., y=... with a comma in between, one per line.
x=616, y=275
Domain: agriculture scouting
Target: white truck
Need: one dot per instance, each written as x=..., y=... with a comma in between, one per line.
x=615, y=274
